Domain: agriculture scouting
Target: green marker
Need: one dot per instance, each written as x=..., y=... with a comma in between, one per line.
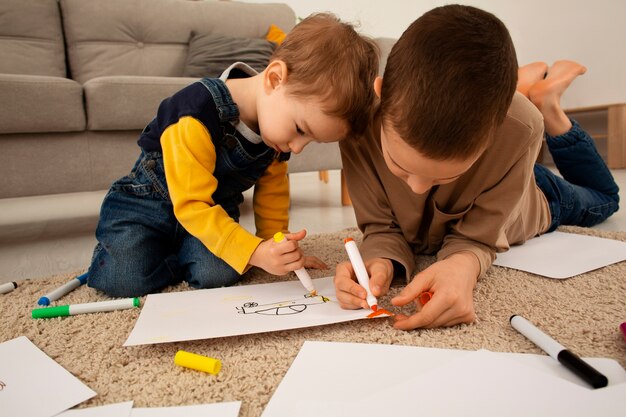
x=73, y=309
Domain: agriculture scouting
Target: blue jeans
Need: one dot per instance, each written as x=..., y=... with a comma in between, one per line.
x=141, y=246
x=587, y=194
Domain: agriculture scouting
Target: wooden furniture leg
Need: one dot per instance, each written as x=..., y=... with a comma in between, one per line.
x=345, y=196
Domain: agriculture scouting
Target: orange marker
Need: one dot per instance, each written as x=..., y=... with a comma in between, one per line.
x=360, y=271
x=425, y=297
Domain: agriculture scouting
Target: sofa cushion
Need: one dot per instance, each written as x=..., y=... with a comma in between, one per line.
x=31, y=38
x=133, y=37
x=37, y=103
x=210, y=54
x=127, y=102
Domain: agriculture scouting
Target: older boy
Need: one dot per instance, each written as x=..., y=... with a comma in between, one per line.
x=175, y=217
x=449, y=167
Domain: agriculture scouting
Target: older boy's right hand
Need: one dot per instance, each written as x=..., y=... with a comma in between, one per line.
x=350, y=294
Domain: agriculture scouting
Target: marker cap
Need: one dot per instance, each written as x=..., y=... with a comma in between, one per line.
x=278, y=237
x=197, y=362
x=44, y=301
x=50, y=312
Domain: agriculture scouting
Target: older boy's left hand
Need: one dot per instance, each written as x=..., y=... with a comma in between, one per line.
x=452, y=282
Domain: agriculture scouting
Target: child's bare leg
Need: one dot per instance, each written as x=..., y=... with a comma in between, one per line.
x=529, y=74
x=546, y=95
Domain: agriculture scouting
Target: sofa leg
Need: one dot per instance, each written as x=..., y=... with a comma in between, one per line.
x=345, y=196
x=323, y=176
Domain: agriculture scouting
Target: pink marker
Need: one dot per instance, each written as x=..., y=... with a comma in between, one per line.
x=623, y=329
x=361, y=272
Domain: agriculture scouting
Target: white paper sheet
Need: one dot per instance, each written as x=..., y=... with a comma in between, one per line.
x=347, y=379
x=33, y=385
x=109, y=410
x=230, y=311
x=562, y=255
x=226, y=409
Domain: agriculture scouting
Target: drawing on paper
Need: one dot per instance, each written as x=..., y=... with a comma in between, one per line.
x=2, y=385
x=282, y=308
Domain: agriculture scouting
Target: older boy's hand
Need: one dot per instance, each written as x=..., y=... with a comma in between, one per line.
x=452, y=282
x=350, y=294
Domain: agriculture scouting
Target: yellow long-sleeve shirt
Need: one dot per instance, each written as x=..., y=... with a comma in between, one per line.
x=189, y=155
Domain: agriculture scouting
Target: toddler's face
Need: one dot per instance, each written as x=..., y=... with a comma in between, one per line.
x=288, y=123
x=418, y=171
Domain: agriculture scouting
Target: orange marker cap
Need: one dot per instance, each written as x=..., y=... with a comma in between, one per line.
x=425, y=297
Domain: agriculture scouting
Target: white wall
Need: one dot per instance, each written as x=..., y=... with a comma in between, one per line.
x=592, y=32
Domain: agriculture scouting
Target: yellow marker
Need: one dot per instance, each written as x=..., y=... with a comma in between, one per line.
x=302, y=273
x=197, y=362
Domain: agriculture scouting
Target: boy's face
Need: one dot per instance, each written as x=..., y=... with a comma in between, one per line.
x=288, y=123
x=418, y=171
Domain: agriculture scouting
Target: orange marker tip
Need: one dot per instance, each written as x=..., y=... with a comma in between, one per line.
x=374, y=307
x=348, y=239
x=313, y=293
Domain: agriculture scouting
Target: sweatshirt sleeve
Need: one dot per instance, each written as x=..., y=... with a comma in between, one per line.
x=483, y=229
x=189, y=158
x=271, y=201
x=382, y=236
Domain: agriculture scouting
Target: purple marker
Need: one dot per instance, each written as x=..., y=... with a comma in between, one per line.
x=623, y=329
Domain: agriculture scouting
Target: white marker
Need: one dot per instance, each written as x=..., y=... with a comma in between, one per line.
x=63, y=290
x=302, y=273
x=557, y=351
x=361, y=272
x=73, y=309
x=7, y=287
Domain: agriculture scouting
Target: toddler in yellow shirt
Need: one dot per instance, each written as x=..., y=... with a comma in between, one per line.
x=175, y=216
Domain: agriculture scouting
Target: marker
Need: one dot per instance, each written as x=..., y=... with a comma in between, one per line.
x=71, y=310
x=7, y=287
x=623, y=329
x=557, y=351
x=360, y=271
x=302, y=273
x=425, y=297
x=63, y=290
x=197, y=362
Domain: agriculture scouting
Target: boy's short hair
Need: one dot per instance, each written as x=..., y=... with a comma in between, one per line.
x=327, y=59
x=449, y=82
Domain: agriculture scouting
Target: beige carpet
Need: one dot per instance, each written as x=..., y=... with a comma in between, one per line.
x=584, y=311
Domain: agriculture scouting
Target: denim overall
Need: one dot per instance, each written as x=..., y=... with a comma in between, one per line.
x=587, y=193
x=142, y=248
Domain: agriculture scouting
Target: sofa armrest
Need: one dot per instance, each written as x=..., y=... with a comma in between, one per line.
x=127, y=102
x=39, y=103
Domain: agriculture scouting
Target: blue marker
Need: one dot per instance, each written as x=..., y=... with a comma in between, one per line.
x=62, y=290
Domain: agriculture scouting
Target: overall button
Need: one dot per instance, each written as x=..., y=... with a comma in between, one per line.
x=150, y=164
x=230, y=141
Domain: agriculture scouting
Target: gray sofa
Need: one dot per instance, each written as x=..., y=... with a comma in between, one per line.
x=79, y=79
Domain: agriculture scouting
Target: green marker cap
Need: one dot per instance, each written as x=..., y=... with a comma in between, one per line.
x=49, y=312
x=136, y=302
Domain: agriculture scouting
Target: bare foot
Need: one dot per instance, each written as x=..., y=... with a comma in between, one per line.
x=546, y=95
x=529, y=74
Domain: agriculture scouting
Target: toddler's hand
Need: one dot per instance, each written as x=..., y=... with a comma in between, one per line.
x=279, y=258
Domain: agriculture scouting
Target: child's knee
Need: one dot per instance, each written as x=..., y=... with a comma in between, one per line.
x=126, y=279
x=214, y=276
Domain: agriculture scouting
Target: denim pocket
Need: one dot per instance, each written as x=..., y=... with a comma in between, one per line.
x=146, y=179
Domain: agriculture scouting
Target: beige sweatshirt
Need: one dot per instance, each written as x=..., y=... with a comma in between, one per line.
x=492, y=206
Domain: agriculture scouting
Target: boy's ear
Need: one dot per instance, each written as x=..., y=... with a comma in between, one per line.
x=275, y=75
x=378, y=86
